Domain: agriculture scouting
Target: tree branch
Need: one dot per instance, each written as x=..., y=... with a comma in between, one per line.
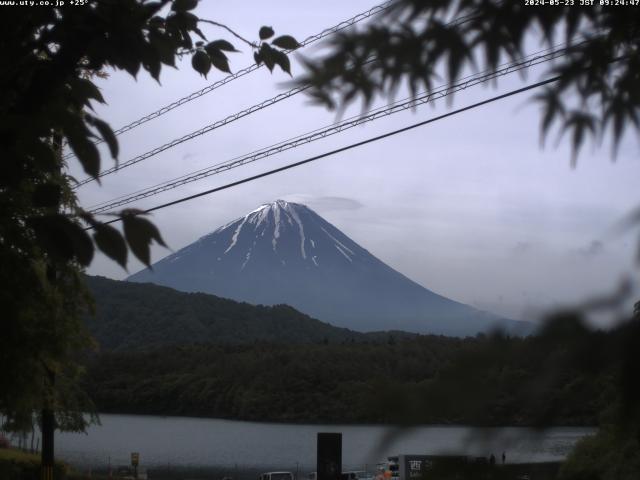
x=237, y=35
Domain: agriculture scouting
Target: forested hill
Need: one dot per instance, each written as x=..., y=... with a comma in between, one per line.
x=429, y=379
x=171, y=353
x=137, y=315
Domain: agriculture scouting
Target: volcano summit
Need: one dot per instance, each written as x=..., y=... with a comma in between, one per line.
x=284, y=252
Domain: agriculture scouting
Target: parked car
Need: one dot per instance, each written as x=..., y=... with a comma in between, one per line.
x=125, y=473
x=276, y=476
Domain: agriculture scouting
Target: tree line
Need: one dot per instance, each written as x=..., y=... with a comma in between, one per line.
x=482, y=380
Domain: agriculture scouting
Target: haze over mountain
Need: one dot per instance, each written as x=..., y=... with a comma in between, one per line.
x=135, y=316
x=284, y=252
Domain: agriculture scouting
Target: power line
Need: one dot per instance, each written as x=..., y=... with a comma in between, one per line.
x=348, y=147
x=411, y=102
x=245, y=71
x=190, y=136
x=243, y=113
x=318, y=134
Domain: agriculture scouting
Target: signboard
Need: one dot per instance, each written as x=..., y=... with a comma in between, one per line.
x=135, y=458
x=422, y=467
x=414, y=467
x=329, y=460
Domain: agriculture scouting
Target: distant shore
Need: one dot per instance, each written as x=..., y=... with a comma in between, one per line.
x=537, y=471
x=315, y=421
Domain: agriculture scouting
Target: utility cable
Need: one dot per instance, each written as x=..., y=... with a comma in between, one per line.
x=245, y=71
x=190, y=136
x=333, y=129
x=345, y=148
x=223, y=122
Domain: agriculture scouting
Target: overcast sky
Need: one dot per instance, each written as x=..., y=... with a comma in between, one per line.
x=470, y=207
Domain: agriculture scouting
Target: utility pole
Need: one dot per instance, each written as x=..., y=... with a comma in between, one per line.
x=47, y=458
x=48, y=417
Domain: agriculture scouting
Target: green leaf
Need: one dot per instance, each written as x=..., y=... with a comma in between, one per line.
x=43, y=155
x=130, y=62
x=553, y=108
x=265, y=32
x=110, y=241
x=153, y=66
x=266, y=54
x=151, y=8
x=184, y=21
x=186, y=39
x=201, y=63
x=139, y=233
x=163, y=48
x=219, y=60
x=184, y=5
x=221, y=45
x=83, y=90
x=199, y=32
x=78, y=136
x=47, y=195
x=286, y=42
x=62, y=238
x=282, y=59
x=579, y=123
x=257, y=58
x=105, y=132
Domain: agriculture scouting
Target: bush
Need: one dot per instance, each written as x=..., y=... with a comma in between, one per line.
x=608, y=455
x=17, y=465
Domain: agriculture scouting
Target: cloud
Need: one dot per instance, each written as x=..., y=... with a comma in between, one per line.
x=325, y=203
x=522, y=248
x=595, y=248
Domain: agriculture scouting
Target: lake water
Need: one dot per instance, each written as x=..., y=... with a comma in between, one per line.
x=197, y=442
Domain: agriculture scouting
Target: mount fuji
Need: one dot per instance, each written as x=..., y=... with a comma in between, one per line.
x=285, y=253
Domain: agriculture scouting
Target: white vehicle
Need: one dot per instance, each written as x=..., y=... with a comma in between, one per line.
x=276, y=476
x=124, y=472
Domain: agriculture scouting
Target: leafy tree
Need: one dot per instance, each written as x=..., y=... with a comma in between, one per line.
x=414, y=40
x=50, y=55
x=566, y=376
x=608, y=455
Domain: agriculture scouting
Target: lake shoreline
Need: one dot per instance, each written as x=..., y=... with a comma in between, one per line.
x=540, y=471
x=347, y=423
x=205, y=443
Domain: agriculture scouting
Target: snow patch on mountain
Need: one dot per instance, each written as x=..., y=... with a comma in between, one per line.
x=339, y=245
x=295, y=216
x=285, y=253
x=343, y=252
x=276, y=231
x=234, y=239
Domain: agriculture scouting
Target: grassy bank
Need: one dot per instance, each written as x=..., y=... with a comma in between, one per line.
x=18, y=465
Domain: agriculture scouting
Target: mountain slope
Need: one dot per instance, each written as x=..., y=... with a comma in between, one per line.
x=134, y=316
x=285, y=253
